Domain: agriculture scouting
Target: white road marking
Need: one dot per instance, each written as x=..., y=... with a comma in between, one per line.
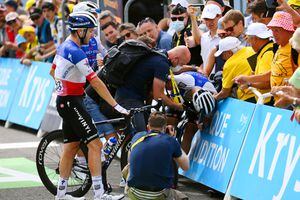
x=16, y=176
x=21, y=145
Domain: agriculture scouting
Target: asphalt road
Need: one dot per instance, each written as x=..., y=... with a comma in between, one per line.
x=19, y=179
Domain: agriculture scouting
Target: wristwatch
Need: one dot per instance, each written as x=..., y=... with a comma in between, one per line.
x=295, y=101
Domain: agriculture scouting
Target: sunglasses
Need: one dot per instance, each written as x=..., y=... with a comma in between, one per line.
x=230, y=29
x=177, y=18
x=11, y=22
x=127, y=35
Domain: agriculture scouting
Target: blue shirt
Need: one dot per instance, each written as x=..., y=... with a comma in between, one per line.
x=164, y=41
x=44, y=32
x=140, y=79
x=151, y=161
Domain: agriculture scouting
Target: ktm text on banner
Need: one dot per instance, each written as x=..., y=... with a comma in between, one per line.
x=214, y=152
x=33, y=95
x=269, y=167
x=10, y=73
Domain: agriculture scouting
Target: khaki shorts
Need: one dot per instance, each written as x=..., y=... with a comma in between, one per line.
x=166, y=194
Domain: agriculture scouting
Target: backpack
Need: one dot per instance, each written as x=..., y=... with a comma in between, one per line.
x=120, y=60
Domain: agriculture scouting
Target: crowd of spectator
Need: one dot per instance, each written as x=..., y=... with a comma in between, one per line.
x=257, y=49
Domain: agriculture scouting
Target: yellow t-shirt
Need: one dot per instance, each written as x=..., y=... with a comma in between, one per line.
x=238, y=65
x=281, y=67
x=263, y=65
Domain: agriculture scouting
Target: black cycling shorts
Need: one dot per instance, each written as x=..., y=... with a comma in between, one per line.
x=77, y=123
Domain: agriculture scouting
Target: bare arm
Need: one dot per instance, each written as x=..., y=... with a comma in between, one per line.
x=195, y=30
x=211, y=60
x=158, y=92
x=296, y=16
x=223, y=94
x=183, y=161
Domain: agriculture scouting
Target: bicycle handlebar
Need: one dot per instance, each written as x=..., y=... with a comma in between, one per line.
x=132, y=112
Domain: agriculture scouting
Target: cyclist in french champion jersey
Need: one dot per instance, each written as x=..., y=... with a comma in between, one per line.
x=71, y=71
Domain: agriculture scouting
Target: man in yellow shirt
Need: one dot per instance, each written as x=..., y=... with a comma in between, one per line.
x=259, y=38
x=282, y=66
x=236, y=64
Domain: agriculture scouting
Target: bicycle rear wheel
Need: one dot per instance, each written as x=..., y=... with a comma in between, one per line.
x=47, y=162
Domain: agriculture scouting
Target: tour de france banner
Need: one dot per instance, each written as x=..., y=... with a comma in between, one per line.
x=214, y=151
x=33, y=95
x=10, y=72
x=269, y=167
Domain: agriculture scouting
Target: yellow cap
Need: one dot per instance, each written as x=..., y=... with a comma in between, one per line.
x=29, y=4
x=25, y=29
x=294, y=2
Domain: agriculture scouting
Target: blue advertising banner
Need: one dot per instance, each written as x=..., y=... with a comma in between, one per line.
x=269, y=167
x=33, y=95
x=214, y=151
x=10, y=73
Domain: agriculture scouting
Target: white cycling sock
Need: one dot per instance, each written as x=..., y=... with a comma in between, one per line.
x=98, y=186
x=62, y=187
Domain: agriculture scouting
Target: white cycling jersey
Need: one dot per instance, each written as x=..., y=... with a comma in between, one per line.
x=71, y=69
x=188, y=80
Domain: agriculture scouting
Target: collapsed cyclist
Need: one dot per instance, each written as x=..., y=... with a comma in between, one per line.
x=71, y=71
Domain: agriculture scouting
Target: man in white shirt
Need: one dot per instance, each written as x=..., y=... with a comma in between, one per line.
x=211, y=14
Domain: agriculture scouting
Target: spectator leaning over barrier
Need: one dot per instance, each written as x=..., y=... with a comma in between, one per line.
x=28, y=32
x=14, y=25
x=259, y=12
x=43, y=32
x=290, y=95
x=234, y=25
x=259, y=38
x=149, y=27
x=127, y=31
x=282, y=66
x=152, y=178
x=236, y=64
x=111, y=34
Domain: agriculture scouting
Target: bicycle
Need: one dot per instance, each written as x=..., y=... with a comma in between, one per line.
x=79, y=183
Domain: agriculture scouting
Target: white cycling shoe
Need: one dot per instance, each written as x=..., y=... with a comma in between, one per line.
x=69, y=197
x=110, y=197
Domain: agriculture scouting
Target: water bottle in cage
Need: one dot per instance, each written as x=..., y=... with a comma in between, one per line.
x=109, y=145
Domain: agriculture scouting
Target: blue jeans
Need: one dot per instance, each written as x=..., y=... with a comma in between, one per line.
x=139, y=118
x=93, y=109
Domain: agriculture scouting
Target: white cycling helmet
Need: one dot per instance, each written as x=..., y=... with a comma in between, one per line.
x=87, y=6
x=204, y=102
x=81, y=19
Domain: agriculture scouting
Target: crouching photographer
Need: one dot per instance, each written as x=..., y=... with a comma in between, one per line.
x=151, y=171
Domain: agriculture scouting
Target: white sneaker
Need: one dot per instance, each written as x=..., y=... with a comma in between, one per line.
x=122, y=183
x=69, y=197
x=110, y=197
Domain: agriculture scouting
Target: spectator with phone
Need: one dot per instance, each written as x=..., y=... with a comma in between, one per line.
x=260, y=12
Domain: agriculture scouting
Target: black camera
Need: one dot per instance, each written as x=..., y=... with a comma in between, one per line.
x=271, y=3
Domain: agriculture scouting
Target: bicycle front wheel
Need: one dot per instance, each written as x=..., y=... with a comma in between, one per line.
x=47, y=162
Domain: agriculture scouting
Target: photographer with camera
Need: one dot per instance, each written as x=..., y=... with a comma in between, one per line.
x=150, y=161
